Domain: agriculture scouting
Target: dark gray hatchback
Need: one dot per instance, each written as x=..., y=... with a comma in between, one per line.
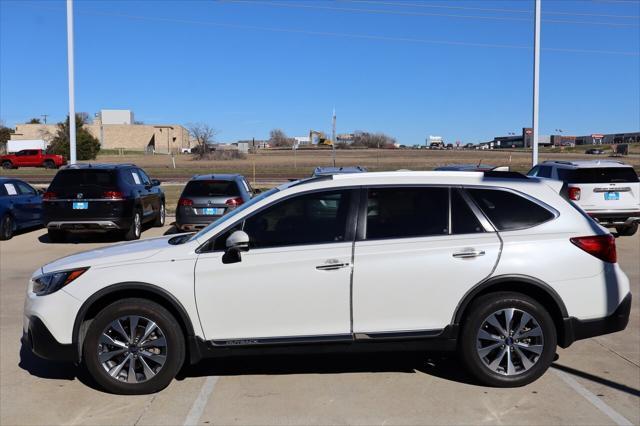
x=207, y=197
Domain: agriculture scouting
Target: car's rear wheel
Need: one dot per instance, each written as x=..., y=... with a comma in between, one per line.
x=507, y=340
x=56, y=235
x=160, y=219
x=627, y=230
x=135, y=229
x=6, y=227
x=134, y=346
x=7, y=165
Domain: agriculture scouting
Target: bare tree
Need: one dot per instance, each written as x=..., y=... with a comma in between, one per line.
x=278, y=138
x=204, y=135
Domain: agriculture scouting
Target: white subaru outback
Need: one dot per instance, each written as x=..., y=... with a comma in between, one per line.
x=371, y=261
x=609, y=191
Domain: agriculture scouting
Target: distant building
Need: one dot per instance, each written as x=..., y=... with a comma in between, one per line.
x=302, y=140
x=119, y=132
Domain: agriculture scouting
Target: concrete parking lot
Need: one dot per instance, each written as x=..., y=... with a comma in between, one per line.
x=593, y=382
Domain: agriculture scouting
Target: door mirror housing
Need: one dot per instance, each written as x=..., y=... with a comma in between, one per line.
x=155, y=182
x=238, y=240
x=236, y=243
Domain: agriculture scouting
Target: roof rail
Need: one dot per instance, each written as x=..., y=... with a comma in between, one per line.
x=312, y=179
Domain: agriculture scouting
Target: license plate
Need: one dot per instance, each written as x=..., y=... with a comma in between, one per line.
x=80, y=205
x=611, y=196
x=209, y=211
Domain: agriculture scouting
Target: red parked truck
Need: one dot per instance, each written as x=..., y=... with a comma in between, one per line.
x=32, y=158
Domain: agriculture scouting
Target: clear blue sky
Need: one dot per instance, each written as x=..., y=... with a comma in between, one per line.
x=459, y=69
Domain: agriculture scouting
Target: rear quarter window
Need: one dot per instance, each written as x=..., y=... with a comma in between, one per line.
x=509, y=211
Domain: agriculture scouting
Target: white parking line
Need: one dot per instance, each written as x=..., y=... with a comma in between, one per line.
x=193, y=418
x=618, y=418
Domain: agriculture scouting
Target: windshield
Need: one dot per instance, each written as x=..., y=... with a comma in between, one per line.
x=233, y=213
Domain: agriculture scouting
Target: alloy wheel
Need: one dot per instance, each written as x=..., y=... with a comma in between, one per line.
x=137, y=224
x=132, y=349
x=510, y=341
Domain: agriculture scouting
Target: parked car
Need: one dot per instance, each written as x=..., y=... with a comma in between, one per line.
x=594, y=151
x=20, y=207
x=207, y=197
x=102, y=198
x=327, y=171
x=364, y=261
x=32, y=158
x=609, y=191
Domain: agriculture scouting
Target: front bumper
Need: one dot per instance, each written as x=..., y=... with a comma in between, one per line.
x=41, y=342
x=575, y=329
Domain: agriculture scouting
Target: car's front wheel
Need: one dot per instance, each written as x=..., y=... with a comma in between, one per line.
x=134, y=346
x=507, y=340
x=7, y=165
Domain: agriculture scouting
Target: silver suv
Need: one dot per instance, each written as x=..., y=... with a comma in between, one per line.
x=608, y=191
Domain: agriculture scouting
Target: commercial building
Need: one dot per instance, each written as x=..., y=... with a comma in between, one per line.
x=116, y=129
x=525, y=139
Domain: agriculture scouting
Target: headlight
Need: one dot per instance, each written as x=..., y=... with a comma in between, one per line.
x=54, y=281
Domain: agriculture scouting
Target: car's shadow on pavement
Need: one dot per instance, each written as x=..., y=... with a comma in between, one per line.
x=90, y=237
x=45, y=369
x=440, y=365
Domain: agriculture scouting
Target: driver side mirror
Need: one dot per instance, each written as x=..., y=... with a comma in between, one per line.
x=236, y=243
x=155, y=182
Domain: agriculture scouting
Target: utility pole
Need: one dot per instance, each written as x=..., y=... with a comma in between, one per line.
x=333, y=136
x=70, y=67
x=44, y=117
x=536, y=81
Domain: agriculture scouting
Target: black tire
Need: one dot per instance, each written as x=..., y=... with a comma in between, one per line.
x=48, y=164
x=6, y=227
x=160, y=218
x=627, y=231
x=483, y=308
x=7, y=165
x=173, y=352
x=56, y=235
x=135, y=229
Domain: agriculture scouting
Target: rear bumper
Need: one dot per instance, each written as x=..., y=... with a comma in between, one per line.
x=89, y=225
x=611, y=218
x=575, y=329
x=39, y=340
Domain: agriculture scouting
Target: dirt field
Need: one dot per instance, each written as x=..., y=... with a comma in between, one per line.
x=279, y=165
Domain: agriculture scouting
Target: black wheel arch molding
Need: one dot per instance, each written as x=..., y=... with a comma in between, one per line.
x=123, y=290
x=532, y=286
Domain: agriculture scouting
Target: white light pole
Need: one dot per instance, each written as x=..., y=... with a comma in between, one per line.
x=536, y=81
x=72, y=107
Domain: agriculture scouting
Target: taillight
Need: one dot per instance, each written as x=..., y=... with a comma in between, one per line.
x=185, y=202
x=234, y=202
x=113, y=195
x=49, y=195
x=574, y=194
x=601, y=246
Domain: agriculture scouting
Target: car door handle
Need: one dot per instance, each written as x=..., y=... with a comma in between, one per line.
x=332, y=266
x=467, y=254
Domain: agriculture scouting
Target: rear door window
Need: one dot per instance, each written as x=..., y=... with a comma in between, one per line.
x=407, y=212
x=509, y=211
x=24, y=189
x=9, y=189
x=463, y=219
x=599, y=175
x=211, y=188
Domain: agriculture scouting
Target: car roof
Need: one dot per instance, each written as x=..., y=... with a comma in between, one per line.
x=583, y=164
x=100, y=166
x=338, y=170
x=466, y=167
x=228, y=177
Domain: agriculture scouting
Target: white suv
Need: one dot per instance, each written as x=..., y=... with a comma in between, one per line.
x=609, y=191
x=370, y=261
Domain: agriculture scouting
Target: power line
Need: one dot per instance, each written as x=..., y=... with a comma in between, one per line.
x=413, y=13
x=484, y=9
x=345, y=35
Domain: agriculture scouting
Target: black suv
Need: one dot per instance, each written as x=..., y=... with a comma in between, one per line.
x=102, y=197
